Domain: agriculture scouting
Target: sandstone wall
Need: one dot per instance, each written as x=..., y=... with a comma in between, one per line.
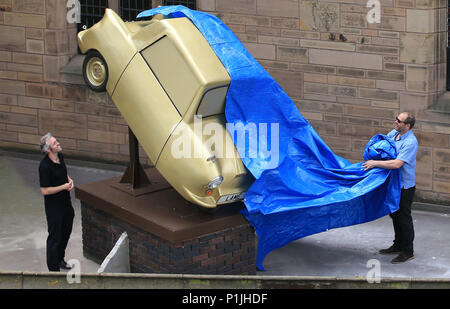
x=348, y=77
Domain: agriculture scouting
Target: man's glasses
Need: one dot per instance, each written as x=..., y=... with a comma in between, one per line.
x=399, y=121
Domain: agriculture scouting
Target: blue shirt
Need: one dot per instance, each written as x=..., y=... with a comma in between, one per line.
x=407, y=146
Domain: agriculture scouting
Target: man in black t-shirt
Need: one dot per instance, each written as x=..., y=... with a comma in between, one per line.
x=55, y=187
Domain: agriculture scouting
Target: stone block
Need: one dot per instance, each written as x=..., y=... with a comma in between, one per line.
x=27, y=58
x=68, y=125
x=400, y=67
x=427, y=139
x=418, y=78
x=393, y=11
x=43, y=90
x=18, y=119
x=418, y=48
x=385, y=104
x=52, y=67
x=228, y=18
x=237, y=6
x=436, y=128
x=390, y=85
x=261, y=51
x=106, y=137
x=291, y=82
x=56, y=17
x=315, y=78
x=29, y=6
x=277, y=40
x=285, y=8
x=300, y=34
x=312, y=68
x=24, y=20
x=377, y=49
x=56, y=42
x=385, y=41
x=7, y=99
x=37, y=103
x=62, y=106
x=350, y=72
x=392, y=23
x=288, y=23
x=423, y=21
x=316, y=88
x=342, y=91
x=319, y=16
x=35, y=46
x=30, y=77
x=327, y=45
x=378, y=94
x=292, y=54
x=441, y=186
x=97, y=147
x=323, y=107
x=205, y=5
x=441, y=155
x=12, y=87
x=5, y=56
x=415, y=103
x=395, y=76
x=351, y=81
x=345, y=59
x=34, y=33
x=424, y=168
x=12, y=38
x=369, y=112
x=20, y=67
x=427, y=4
x=8, y=75
x=354, y=20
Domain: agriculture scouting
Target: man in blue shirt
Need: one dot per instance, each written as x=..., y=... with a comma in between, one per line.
x=406, y=144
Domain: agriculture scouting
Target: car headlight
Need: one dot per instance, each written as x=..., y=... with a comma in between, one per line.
x=215, y=182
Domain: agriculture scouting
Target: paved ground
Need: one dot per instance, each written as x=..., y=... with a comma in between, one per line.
x=344, y=252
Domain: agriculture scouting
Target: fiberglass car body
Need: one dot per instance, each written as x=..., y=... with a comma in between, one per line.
x=162, y=75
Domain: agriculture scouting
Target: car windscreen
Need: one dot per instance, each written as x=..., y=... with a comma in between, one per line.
x=213, y=102
x=173, y=72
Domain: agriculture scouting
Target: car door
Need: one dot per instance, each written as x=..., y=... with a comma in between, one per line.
x=145, y=106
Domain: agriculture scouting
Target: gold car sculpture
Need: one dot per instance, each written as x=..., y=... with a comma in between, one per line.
x=170, y=87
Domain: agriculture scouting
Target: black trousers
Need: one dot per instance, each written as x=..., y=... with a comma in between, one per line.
x=59, y=223
x=403, y=222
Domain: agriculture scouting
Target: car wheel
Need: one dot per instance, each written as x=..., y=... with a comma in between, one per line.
x=95, y=71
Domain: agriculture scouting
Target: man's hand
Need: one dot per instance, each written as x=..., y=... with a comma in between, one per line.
x=369, y=164
x=70, y=184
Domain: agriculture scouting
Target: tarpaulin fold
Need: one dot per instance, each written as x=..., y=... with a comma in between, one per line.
x=301, y=186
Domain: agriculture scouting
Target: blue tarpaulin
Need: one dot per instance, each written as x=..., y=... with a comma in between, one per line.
x=301, y=186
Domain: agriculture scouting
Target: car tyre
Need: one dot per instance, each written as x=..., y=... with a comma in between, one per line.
x=95, y=71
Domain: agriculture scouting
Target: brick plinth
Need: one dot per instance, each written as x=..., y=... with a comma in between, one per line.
x=166, y=233
x=229, y=251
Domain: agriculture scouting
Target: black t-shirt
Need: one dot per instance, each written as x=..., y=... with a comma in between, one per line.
x=52, y=174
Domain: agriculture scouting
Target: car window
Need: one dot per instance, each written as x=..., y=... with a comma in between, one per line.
x=213, y=102
x=173, y=72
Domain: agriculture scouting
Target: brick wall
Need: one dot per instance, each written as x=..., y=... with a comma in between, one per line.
x=227, y=252
x=349, y=78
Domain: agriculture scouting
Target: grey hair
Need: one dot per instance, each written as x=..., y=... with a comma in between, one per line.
x=43, y=142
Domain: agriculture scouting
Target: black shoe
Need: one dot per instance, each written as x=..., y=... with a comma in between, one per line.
x=402, y=257
x=63, y=265
x=390, y=250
